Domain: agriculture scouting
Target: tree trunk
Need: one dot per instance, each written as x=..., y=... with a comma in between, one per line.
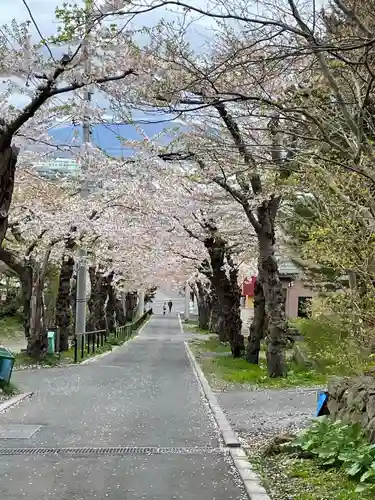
x=50, y=295
x=26, y=278
x=130, y=305
x=150, y=294
x=226, y=290
x=8, y=161
x=64, y=318
x=110, y=308
x=32, y=277
x=268, y=273
x=119, y=312
x=37, y=343
x=257, y=325
x=204, y=305
x=97, y=301
x=216, y=324
x=234, y=317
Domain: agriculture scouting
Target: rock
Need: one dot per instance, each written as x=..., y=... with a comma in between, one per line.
x=337, y=387
x=371, y=429
x=370, y=407
x=352, y=400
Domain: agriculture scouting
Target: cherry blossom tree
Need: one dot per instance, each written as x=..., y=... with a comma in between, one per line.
x=198, y=223
x=52, y=83
x=238, y=147
x=47, y=221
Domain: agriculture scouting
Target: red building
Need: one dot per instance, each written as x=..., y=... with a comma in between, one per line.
x=248, y=289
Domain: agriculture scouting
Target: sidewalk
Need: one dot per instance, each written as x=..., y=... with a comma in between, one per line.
x=144, y=395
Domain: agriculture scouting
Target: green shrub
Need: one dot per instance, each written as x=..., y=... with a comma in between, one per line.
x=345, y=446
x=114, y=341
x=329, y=345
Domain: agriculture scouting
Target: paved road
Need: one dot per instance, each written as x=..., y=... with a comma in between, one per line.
x=162, y=296
x=143, y=395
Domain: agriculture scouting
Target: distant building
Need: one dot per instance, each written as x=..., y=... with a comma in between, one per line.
x=248, y=291
x=296, y=295
x=58, y=167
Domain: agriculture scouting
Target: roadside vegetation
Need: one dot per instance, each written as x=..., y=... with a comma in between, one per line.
x=327, y=460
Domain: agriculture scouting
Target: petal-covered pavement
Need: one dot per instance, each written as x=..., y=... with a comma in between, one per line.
x=131, y=425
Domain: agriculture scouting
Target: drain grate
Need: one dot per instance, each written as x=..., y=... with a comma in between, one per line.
x=118, y=450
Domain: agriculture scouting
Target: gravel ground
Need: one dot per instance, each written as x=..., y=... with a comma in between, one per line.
x=257, y=415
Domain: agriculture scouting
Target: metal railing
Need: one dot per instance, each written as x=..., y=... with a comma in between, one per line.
x=87, y=343
x=122, y=333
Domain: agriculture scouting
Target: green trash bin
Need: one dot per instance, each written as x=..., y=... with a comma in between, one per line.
x=6, y=364
x=51, y=342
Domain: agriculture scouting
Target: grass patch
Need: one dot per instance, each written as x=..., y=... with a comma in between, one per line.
x=193, y=326
x=191, y=322
x=11, y=327
x=239, y=371
x=211, y=345
x=326, y=460
x=303, y=479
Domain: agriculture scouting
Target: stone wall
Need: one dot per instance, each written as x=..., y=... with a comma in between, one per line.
x=352, y=400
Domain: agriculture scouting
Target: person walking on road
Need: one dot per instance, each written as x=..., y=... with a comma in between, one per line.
x=170, y=304
x=164, y=308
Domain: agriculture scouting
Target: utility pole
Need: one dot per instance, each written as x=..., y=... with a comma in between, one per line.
x=187, y=302
x=86, y=126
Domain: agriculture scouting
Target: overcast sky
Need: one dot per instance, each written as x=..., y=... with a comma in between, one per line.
x=44, y=16
x=43, y=12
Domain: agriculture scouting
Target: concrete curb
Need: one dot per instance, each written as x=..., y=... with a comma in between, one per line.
x=250, y=479
x=180, y=322
x=15, y=400
x=114, y=349
x=229, y=437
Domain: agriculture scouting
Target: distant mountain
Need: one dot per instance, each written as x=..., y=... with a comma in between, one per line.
x=109, y=136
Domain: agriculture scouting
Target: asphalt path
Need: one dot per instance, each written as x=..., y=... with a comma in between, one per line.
x=132, y=425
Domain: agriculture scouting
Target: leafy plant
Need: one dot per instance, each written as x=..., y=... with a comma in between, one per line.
x=327, y=342
x=336, y=444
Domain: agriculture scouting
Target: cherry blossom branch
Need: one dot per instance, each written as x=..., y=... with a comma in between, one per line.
x=11, y=260
x=47, y=91
x=213, y=14
x=97, y=81
x=35, y=243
